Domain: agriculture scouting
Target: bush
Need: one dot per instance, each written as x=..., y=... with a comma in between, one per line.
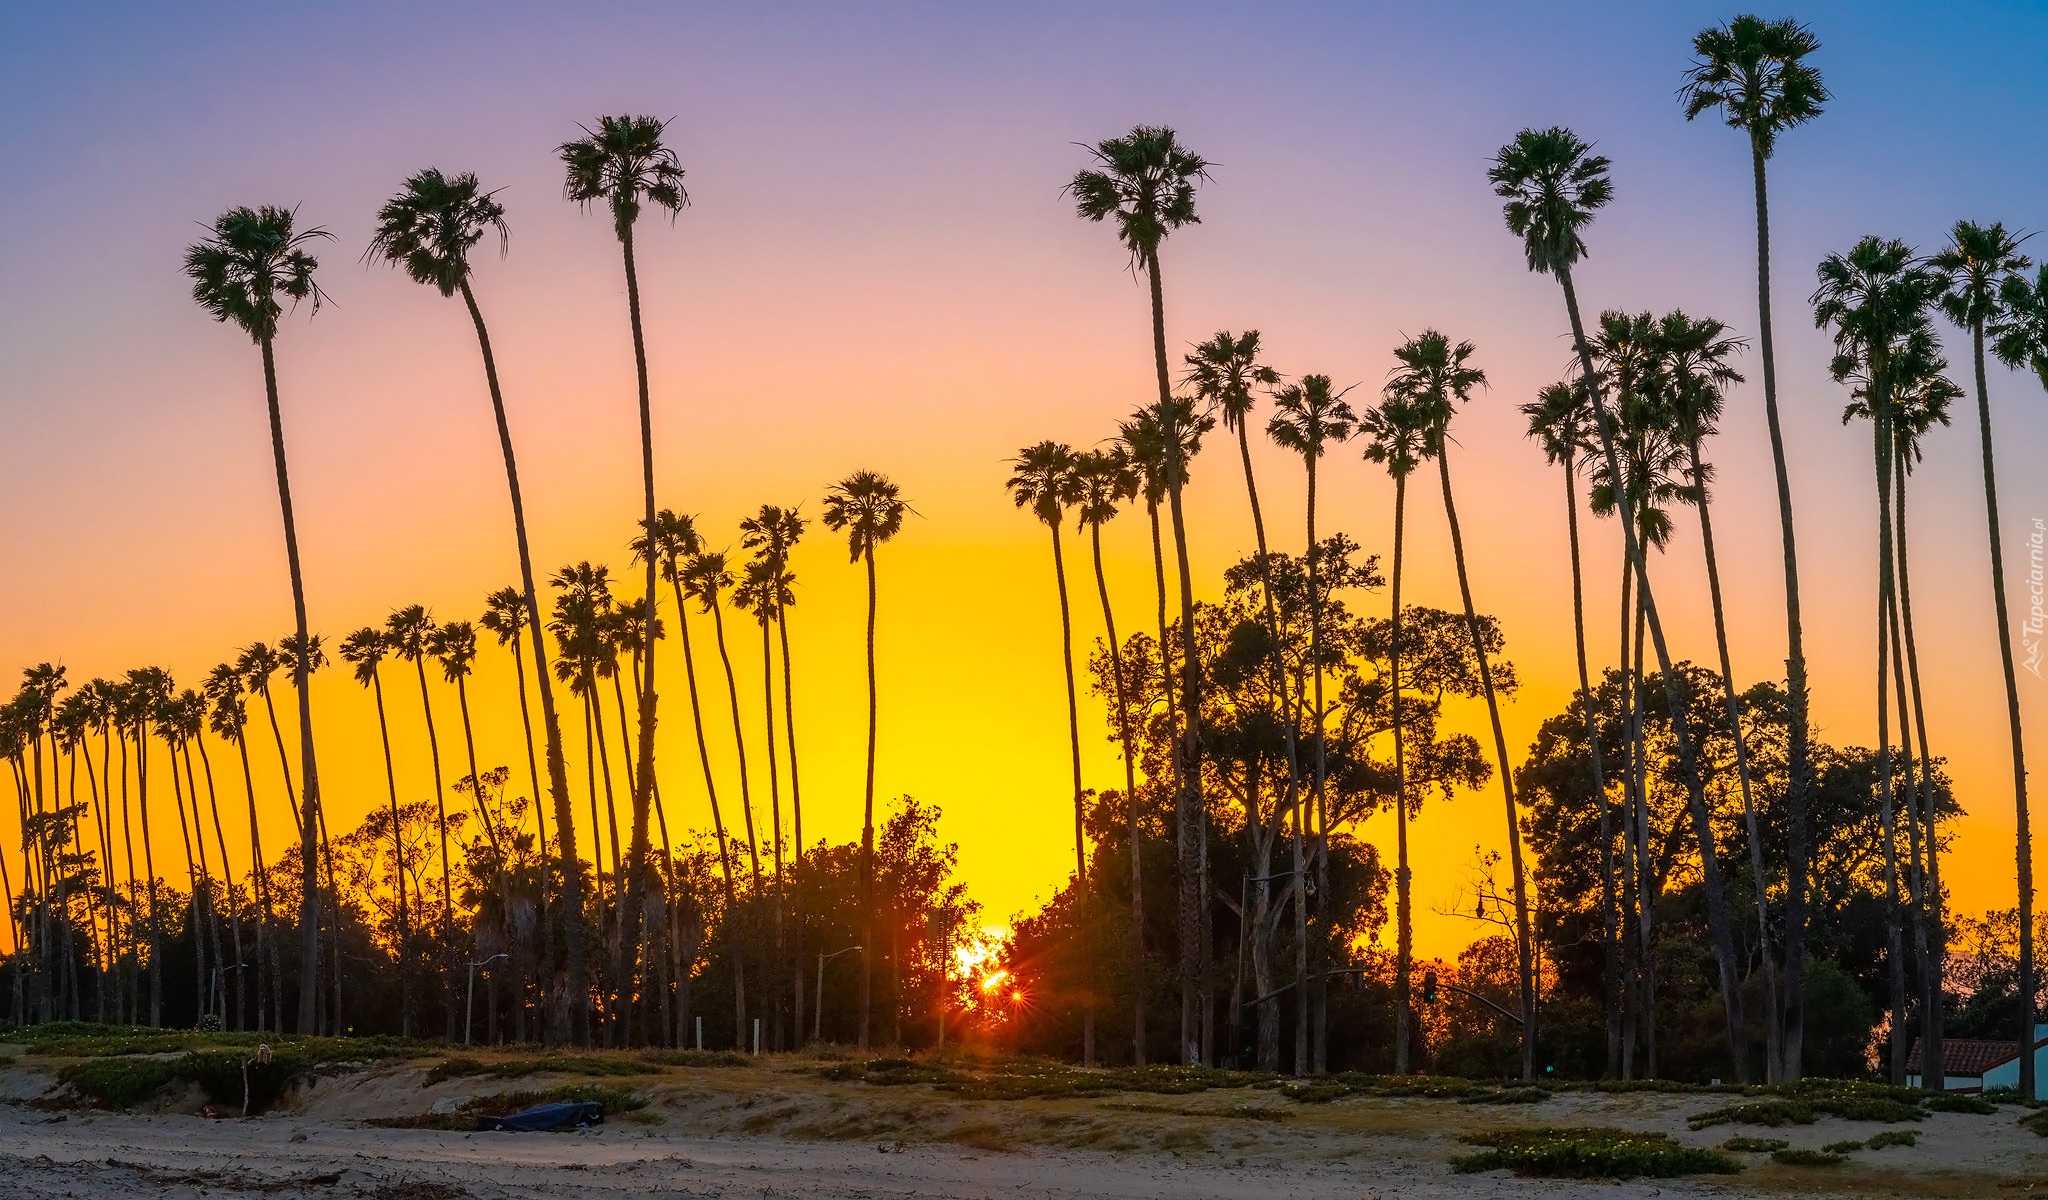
x=1590, y=1154
x=562, y=1064
x=697, y=1058
x=1755, y=1145
x=1807, y=1158
x=1525, y=1095
x=1842, y=1147
x=219, y=1072
x=118, y=1083
x=1893, y=1137
x=1772, y=1113
x=1961, y=1104
x=2038, y=1122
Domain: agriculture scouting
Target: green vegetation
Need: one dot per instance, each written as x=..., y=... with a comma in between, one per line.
x=1801, y=1103
x=1893, y=1137
x=1960, y=1104
x=1807, y=1158
x=1842, y=1147
x=697, y=1058
x=86, y=1039
x=1590, y=1154
x=1754, y=1145
x=119, y=1081
x=550, y=1064
x=2037, y=1121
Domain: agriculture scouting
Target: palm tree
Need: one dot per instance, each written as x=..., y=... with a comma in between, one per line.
x=1395, y=437
x=429, y=228
x=1876, y=297
x=289, y=648
x=1561, y=420
x=1145, y=181
x=624, y=163
x=1693, y=365
x=2019, y=328
x=869, y=508
x=1756, y=74
x=705, y=576
x=253, y=261
x=230, y=719
x=760, y=591
x=172, y=726
x=504, y=617
x=1553, y=184
x=1434, y=378
x=365, y=648
x=674, y=543
x=1104, y=479
x=148, y=688
x=1979, y=261
x=1309, y=415
x=773, y=534
x=408, y=631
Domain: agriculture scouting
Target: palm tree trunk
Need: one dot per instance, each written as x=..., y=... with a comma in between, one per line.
x=441, y=823
x=1610, y=946
x=1059, y=570
x=1524, y=945
x=227, y=874
x=483, y=814
x=258, y=885
x=1926, y=972
x=1799, y=785
x=1188, y=802
x=571, y=902
x=192, y=895
x=867, y=828
x=732, y=693
x=398, y=858
x=1880, y=406
x=777, y=960
x=1123, y=729
x=1719, y=922
x=1932, y=1058
x=1773, y=1051
x=739, y=974
x=1301, y=812
x=644, y=778
x=133, y=955
x=156, y=945
x=1648, y=886
x=796, y=817
x=1404, y=936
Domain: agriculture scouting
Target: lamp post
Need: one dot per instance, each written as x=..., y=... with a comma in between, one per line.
x=818, y=1006
x=469, y=1001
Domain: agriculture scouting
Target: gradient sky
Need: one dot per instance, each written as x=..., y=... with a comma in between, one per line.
x=878, y=270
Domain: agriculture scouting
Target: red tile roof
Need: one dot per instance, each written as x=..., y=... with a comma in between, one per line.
x=1965, y=1056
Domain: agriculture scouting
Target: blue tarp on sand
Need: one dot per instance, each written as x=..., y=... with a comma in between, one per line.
x=544, y=1117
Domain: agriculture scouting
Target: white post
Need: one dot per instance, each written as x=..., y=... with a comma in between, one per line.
x=700, y=1033
x=757, y=1037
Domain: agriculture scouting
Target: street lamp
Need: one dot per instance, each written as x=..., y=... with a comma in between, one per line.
x=818, y=1006
x=469, y=1002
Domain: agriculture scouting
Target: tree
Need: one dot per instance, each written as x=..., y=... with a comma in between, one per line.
x=255, y=260
x=365, y=649
x=1308, y=416
x=409, y=632
x=1755, y=73
x=772, y=534
x=624, y=163
x=1981, y=264
x=1145, y=182
x=868, y=507
x=429, y=229
x=230, y=719
x=1553, y=185
x=1395, y=436
x=504, y=617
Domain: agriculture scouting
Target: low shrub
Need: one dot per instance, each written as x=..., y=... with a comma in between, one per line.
x=1590, y=1154
x=1807, y=1158
x=1526, y=1095
x=1771, y=1113
x=1755, y=1145
x=2036, y=1121
x=118, y=1083
x=1846, y=1147
x=547, y=1064
x=1893, y=1137
x=1960, y=1104
x=2008, y=1095
x=981, y=1136
x=698, y=1058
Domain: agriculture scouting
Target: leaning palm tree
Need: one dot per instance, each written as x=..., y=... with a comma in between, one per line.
x=869, y=508
x=1978, y=261
x=230, y=719
x=1145, y=181
x=1307, y=417
x=772, y=534
x=1693, y=367
x=1043, y=480
x=1755, y=73
x=1104, y=479
x=254, y=260
x=429, y=228
x=1395, y=436
x=408, y=631
x=1553, y=184
x=1561, y=420
x=624, y=163
x=365, y=649
x=505, y=617
x=1434, y=378
x=706, y=576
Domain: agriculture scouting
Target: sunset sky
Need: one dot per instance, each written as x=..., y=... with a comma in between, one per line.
x=878, y=269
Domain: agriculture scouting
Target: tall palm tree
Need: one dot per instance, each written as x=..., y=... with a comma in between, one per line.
x=772, y=534
x=505, y=618
x=1978, y=262
x=705, y=577
x=1145, y=182
x=289, y=650
x=1043, y=480
x=674, y=543
x=1104, y=479
x=408, y=630
x=1561, y=420
x=1434, y=378
x=1693, y=365
x=1876, y=298
x=148, y=688
x=172, y=722
x=1307, y=417
x=1553, y=184
x=624, y=163
x=230, y=719
x=1755, y=74
x=365, y=649
x=2019, y=328
x=1395, y=437
x=759, y=592
x=429, y=229
x=868, y=507
x=254, y=260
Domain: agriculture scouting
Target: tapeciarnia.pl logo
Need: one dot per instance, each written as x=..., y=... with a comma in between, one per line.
x=2037, y=618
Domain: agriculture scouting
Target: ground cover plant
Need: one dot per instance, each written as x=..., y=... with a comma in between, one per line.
x=1754, y=1145
x=560, y=1064
x=1893, y=1137
x=1807, y=1158
x=1588, y=1153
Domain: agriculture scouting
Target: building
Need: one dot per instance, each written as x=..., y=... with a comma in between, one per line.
x=1976, y=1065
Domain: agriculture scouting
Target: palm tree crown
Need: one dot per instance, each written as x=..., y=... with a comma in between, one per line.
x=1309, y=415
x=430, y=227
x=1434, y=378
x=1755, y=72
x=868, y=507
x=2019, y=333
x=1223, y=370
x=1043, y=480
x=1145, y=180
x=253, y=258
x=621, y=162
x=1977, y=261
x=1552, y=183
